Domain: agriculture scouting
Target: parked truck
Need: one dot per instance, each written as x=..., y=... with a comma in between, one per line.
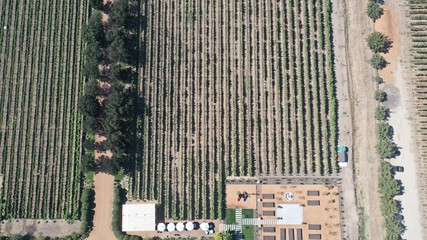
x=342, y=156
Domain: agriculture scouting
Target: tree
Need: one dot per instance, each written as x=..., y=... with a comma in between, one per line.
x=90, y=124
x=119, y=14
x=374, y=10
x=378, y=62
x=88, y=163
x=94, y=30
x=382, y=113
x=92, y=60
x=92, y=88
x=89, y=144
x=96, y=4
x=380, y=96
x=118, y=51
x=388, y=186
x=89, y=106
x=384, y=130
x=378, y=42
x=386, y=148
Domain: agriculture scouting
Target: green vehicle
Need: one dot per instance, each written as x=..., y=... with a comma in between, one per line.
x=341, y=148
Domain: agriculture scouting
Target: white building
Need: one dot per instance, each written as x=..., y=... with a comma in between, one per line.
x=139, y=217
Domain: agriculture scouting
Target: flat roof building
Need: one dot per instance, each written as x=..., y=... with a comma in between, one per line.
x=139, y=217
x=290, y=214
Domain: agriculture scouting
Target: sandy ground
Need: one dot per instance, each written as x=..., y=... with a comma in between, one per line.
x=104, y=184
x=397, y=78
x=39, y=227
x=350, y=229
x=362, y=88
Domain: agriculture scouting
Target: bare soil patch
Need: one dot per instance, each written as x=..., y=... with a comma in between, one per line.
x=39, y=227
x=389, y=25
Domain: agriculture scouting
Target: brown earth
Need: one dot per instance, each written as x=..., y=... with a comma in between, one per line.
x=389, y=25
x=39, y=227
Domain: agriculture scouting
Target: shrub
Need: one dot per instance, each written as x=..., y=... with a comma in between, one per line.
x=378, y=79
x=378, y=42
x=87, y=199
x=378, y=62
x=223, y=235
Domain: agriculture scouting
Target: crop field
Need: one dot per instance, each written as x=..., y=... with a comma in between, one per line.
x=40, y=82
x=232, y=88
x=418, y=24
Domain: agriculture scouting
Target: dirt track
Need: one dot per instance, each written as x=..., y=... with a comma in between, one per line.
x=103, y=207
x=362, y=88
x=350, y=223
x=399, y=100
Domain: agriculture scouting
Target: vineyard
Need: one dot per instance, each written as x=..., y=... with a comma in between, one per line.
x=232, y=88
x=418, y=26
x=40, y=137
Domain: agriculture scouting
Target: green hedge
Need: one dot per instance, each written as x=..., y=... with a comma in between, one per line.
x=119, y=198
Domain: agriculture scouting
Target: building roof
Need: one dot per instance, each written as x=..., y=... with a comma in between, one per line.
x=290, y=214
x=139, y=217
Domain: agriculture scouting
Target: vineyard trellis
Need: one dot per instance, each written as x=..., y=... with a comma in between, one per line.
x=232, y=88
x=40, y=126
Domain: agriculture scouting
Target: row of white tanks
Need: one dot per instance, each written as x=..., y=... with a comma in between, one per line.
x=189, y=226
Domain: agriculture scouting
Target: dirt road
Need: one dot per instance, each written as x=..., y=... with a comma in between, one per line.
x=362, y=88
x=397, y=78
x=339, y=13
x=104, y=184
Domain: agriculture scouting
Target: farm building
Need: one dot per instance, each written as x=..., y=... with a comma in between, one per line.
x=285, y=211
x=139, y=217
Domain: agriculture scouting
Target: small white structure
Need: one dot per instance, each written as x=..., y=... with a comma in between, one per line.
x=189, y=226
x=161, y=227
x=204, y=226
x=138, y=217
x=290, y=214
x=289, y=196
x=180, y=227
x=171, y=227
